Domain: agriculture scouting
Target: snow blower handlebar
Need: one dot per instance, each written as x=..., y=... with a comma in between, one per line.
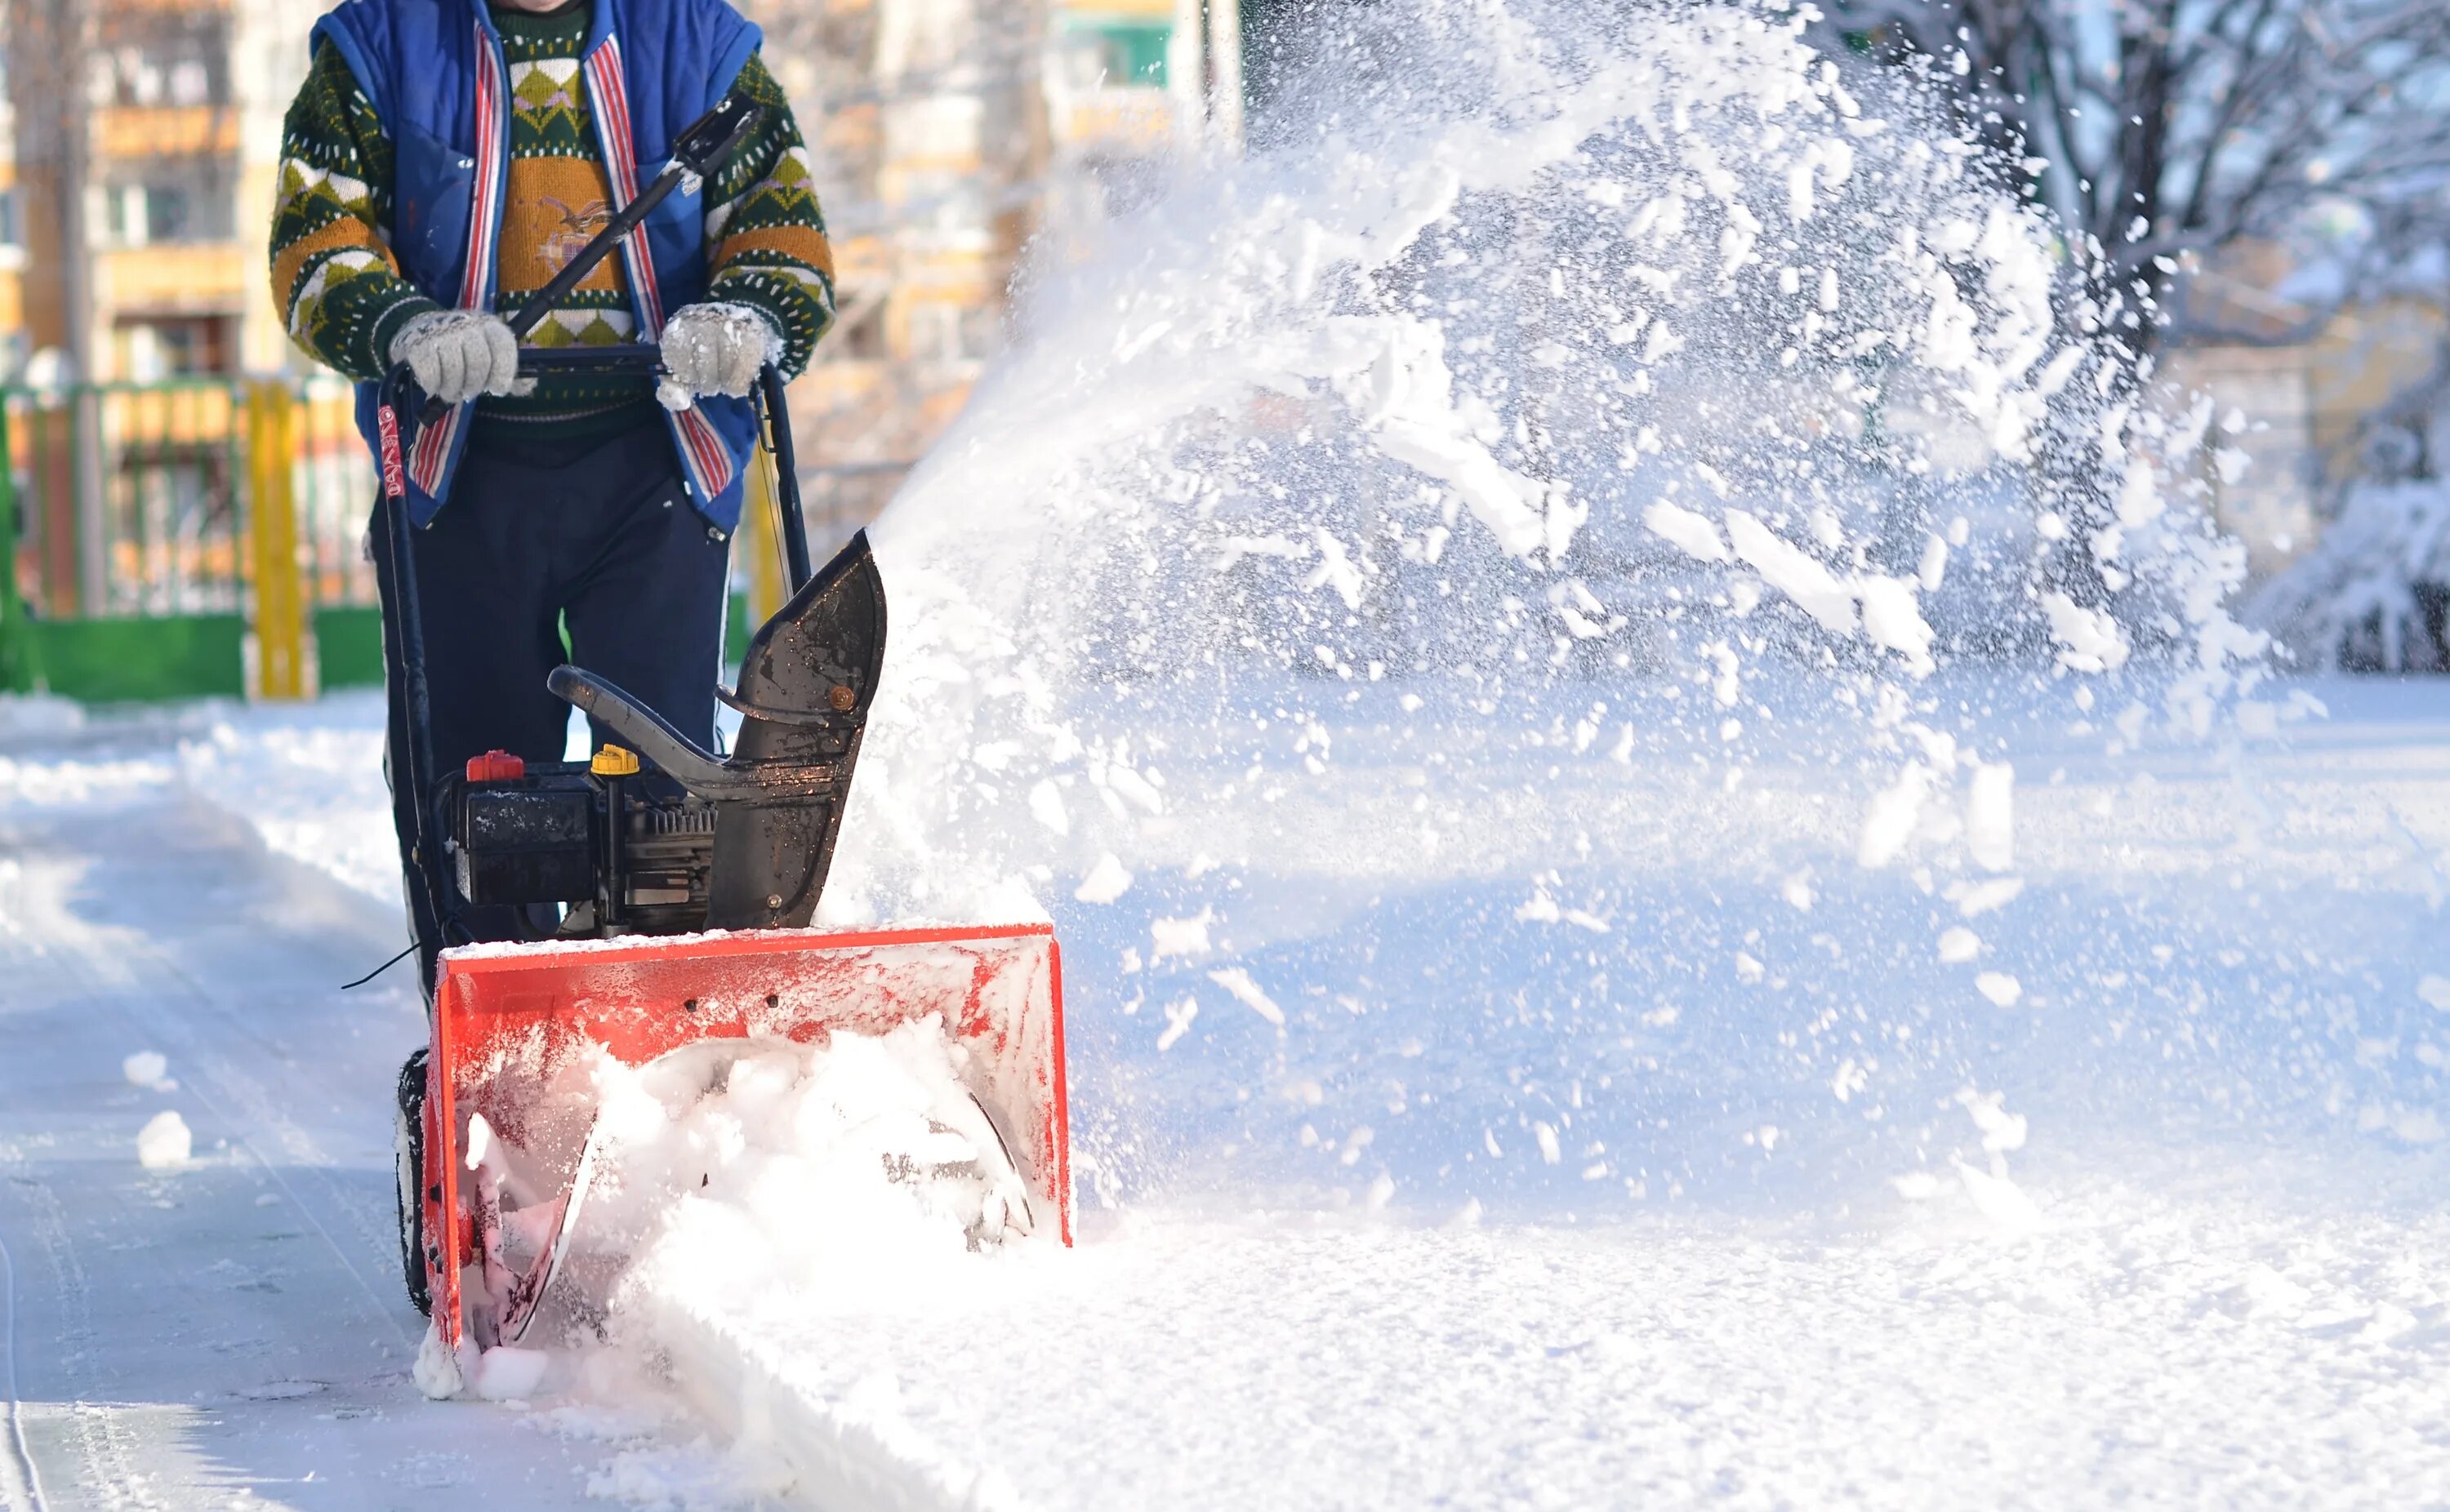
x=703, y=147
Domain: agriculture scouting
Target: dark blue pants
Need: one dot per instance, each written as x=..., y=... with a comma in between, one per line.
x=596, y=535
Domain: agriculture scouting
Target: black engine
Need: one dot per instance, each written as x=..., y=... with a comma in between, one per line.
x=659, y=837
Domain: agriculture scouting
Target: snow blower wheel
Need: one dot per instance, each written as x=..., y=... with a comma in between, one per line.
x=408, y=1157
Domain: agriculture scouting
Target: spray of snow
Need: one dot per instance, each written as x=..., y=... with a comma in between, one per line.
x=1566, y=371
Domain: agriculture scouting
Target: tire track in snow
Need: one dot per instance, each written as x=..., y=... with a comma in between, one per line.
x=241, y=1102
x=102, y=1445
x=145, y=981
x=25, y=1485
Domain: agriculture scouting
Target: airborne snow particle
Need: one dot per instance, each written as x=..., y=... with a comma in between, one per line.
x=1106, y=882
x=1180, y=937
x=147, y=1069
x=1046, y=807
x=1692, y=534
x=1178, y=1019
x=2003, y=990
x=1891, y=822
x=2000, y=1200
x=1991, y=817
x=1959, y=945
x=1246, y=992
x=165, y=1142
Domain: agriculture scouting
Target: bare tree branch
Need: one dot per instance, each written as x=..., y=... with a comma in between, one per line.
x=2209, y=121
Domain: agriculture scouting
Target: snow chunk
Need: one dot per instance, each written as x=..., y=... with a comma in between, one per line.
x=1246, y=992
x=1893, y=619
x=1793, y=572
x=1917, y=1186
x=507, y=1374
x=2002, y=1131
x=1046, y=807
x=1999, y=1199
x=1689, y=533
x=1973, y=900
x=1179, y=1016
x=439, y=1372
x=1181, y=937
x=1991, y=817
x=1959, y=945
x=2435, y=991
x=149, y=1068
x=1891, y=822
x=2090, y=640
x=1106, y=882
x=2003, y=990
x=165, y=1142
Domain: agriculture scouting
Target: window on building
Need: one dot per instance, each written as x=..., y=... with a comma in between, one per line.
x=168, y=214
x=157, y=213
x=152, y=348
x=167, y=55
x=1124, y=52
x=12, y=226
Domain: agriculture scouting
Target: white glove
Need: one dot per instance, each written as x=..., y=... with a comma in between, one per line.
x=459, y=354
x=715, y=348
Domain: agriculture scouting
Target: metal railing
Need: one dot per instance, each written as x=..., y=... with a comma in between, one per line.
x=132, y=498
x=205, y=536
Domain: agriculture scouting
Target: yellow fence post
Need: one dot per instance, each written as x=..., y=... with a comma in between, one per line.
x=280, y=595
x=761, y=543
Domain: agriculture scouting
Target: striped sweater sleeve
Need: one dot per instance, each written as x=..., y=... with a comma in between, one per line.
x=764, y=231
x=334, y=277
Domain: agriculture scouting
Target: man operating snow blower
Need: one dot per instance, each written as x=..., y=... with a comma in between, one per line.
x=445, y=159
x=485, y=213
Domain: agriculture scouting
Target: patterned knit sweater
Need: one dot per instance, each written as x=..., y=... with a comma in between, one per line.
x=333, y=275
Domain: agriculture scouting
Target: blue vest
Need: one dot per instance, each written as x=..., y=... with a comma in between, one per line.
x=435, y=72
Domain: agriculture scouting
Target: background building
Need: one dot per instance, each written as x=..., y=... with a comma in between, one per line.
x=948, y=134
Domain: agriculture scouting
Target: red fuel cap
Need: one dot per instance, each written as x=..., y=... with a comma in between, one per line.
x=497, y=766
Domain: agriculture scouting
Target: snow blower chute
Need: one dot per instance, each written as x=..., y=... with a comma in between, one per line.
x=667, y=895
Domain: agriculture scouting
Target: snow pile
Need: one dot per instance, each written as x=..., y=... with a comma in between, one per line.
x=303, y=784
x=762, y=1179
x=765, y=1168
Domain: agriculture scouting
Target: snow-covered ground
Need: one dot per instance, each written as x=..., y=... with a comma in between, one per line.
x=1676, y=883
x=2212, y=1268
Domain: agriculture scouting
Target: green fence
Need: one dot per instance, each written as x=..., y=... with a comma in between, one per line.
x=129, y=511
x=205, y=537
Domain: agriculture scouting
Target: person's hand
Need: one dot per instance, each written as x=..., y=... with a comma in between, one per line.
x=458, y=354
x=715, y=348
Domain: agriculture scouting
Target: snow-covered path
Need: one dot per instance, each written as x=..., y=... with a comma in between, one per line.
x=2227, y=1297
x=2230, y=1348
x=231, y=1332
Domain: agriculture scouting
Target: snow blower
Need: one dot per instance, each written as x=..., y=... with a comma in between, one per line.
x=670, y=893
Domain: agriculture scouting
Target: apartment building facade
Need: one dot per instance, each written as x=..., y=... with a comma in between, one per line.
x=143, y=137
